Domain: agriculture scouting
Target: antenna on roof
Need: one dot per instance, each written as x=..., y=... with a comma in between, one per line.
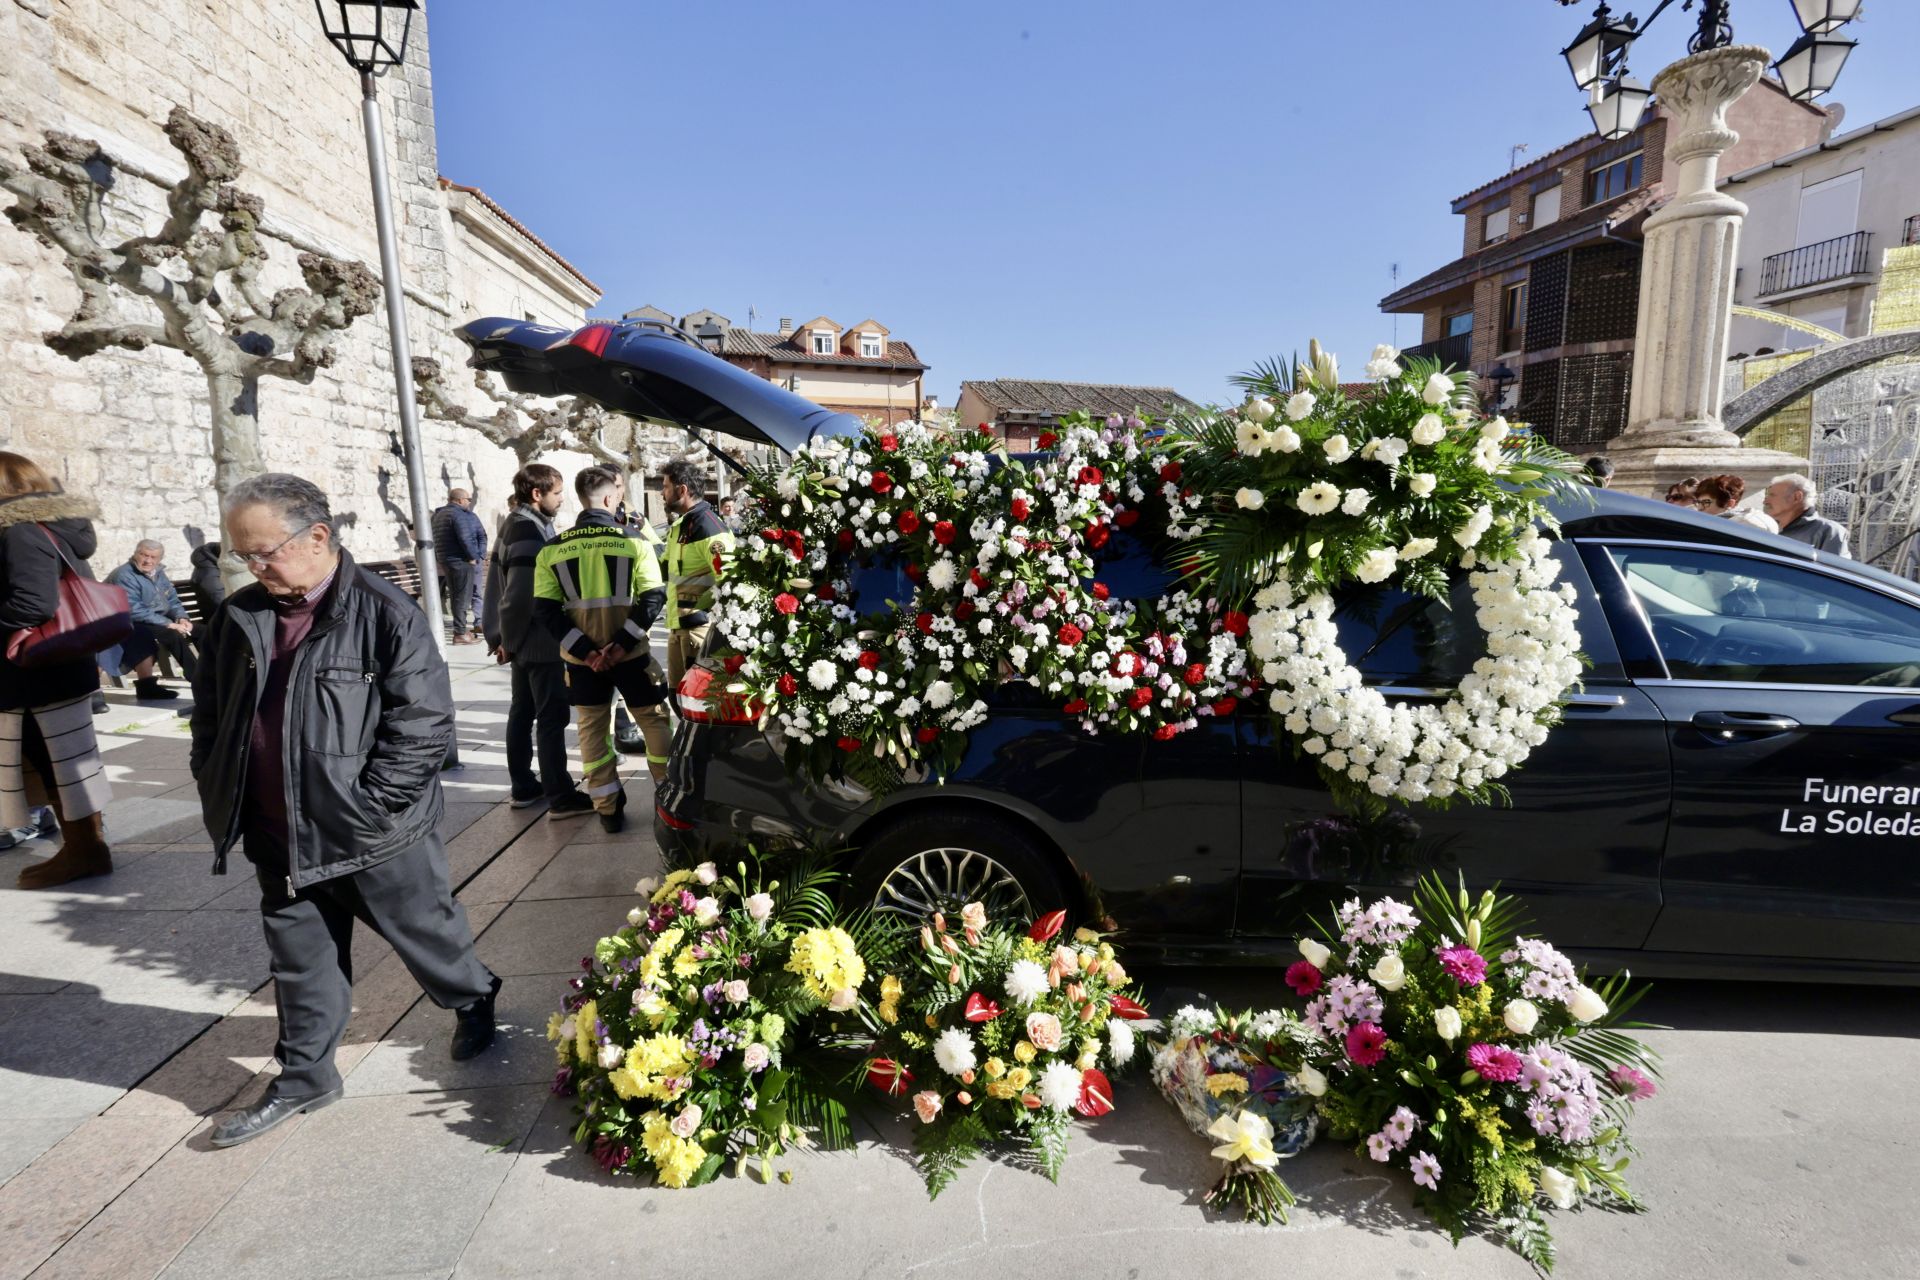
x=1393, y=272
x=1514, y=153
x=752, y=315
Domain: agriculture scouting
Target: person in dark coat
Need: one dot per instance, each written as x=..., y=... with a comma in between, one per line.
x=48, y=754
x=322, y=715
x=204, y=573
x=1791, y=500
x=460, y=540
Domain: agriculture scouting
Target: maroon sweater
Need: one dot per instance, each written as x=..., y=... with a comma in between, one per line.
x=266, y=825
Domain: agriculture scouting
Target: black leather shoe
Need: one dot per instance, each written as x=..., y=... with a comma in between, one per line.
x=473, y=1026
x=245, y=1126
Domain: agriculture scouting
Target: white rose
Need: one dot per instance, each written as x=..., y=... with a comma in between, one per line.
x=1338, y=450
x=1310, y=1082
x=1495, y=430
x=1520, y=1015
x=1390, y=973
x=1259, y=408
x=1355, y=503
x=1315, y=953
x=646, y=885
x=1417, y=547
x=1376, y=565
x=1585, y=1004
x=1558, y=1187
x=612, y=1055
x=705, y=911
x=636, y=917
x=1283, y=439
x=1250, y=499
x=1318, y=499
x=1430, y=430
x=1385, y=362
x=1438, y=391
x=1299, y=405
x=1446, y=1023
x=706, y=873
x=1422, y=484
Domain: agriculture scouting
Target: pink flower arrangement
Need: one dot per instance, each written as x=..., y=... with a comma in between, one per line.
x=1367, y=1044
x=1500, y=1065
x=1464, y=965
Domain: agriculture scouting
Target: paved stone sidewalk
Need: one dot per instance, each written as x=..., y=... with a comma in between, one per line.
x=132, y=1008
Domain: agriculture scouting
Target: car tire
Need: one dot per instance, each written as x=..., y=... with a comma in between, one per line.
x=941, y=861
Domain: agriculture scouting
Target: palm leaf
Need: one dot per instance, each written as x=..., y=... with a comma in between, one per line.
x=1268, y=378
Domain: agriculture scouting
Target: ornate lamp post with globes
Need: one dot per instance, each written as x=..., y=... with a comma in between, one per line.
x=1686, y=273
x=372, y=36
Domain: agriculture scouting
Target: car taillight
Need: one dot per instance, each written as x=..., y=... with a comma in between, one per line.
x=670, y=820
x=593, y=339
x=700, y=702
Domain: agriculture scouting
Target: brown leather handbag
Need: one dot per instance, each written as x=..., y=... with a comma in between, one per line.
x=91, y=616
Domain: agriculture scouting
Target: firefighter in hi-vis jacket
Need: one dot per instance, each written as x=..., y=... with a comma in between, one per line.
x=697, y=547
x=597, y=588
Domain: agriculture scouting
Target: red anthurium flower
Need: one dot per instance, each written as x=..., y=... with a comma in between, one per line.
x=1096, y=1093
x=1047, y=925
x=848, y=744
x=1170, y=472
x=944, y=532
x=926, y=733
x=1131, y=1010
x=795, y=544
x=1047, y=440
x=909, y=522
x=787, y=685
x=881, y=482
x=981, y=1009
x=843, y=540
x=1225, y=706
x=924, y=624
x=1089, y=475
x=1127, y=518
x=1075, y=707
x=869, y=659
x=1070, y=635
x=733, y=662
x=888, y=1076
x=1140, y=697
x=1196, y=673
x=889, y=443
x=1163, y=733
x=1022, y=509
x=1234, y=624
x=786, y=602
x=1101, y=591
x=963, y=610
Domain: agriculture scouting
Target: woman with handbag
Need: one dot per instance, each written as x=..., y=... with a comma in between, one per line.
x=47, y=750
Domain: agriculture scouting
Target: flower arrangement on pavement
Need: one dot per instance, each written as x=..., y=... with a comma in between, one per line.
x=1236, y=1077
x=1480, y=1061
x=1263, y=512
x=993, y=1034
x=679, y=1039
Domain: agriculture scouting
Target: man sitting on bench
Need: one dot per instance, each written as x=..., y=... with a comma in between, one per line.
x=159, y=622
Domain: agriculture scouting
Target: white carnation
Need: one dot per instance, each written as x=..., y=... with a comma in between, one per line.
x=939, y=695
x=941, y=574
x=822, y=674
x=1355, y=503
x=1299, y=405
x=1430, y=430
x=1422, y=483
x=1376, y=566
x=1283, y=439
x=1338, y=448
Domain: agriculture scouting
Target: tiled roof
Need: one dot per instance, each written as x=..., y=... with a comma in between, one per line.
x=448, y=184
x=787, y=349
x=1498, y=256
x=1017, y=395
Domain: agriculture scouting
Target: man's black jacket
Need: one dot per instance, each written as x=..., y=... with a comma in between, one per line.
x=369, y=715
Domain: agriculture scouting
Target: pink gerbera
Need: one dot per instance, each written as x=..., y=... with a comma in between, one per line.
x=1494, y=1063
x=1636, y=1086
x=1303, y=978
x=1367, y=1044
x=1464, y=965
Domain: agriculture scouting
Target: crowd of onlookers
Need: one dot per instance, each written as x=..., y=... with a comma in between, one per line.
x=1788, y=505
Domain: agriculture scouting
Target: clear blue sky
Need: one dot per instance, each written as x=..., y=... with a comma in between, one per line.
x=1103, y=192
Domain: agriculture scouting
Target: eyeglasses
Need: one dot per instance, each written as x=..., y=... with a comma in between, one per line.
x=261, y=559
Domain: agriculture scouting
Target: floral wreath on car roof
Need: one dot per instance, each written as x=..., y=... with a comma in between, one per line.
x=1268, y=507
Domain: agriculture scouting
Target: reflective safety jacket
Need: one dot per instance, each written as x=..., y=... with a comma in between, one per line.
x=597, y=583
x=698, y=544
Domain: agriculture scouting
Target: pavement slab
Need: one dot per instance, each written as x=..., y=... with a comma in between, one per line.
x=550, y=936
x=413, y=1056
x=46, y=1203
x=606, y=870
x=23, y=1141
x=77, y=1052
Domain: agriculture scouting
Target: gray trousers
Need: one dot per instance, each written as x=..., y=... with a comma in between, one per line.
x=405, y=900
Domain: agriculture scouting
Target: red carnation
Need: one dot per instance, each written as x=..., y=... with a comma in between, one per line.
x=963, y=610
x=889, y=443
x=1071, y=635
x=1165, y=732
x=924, y=624
x=1225, y=706
x=881, y=482
x=1170, y=472
x=977, y=579
x=1140, y=697
x=787, y=685
x=1196, y=673
x=1303, y=977
x=1089, y=475
x=1075, y=707
x=1047, y=440
x=869, y=659
x=1100, y=591
x=733, y=662
x=983, y=428
x=1097, y=535
x=1022, y=509
x=848, y=744
x=909, y=522
x=785, y=602
x=771, y=535
x=1126, y=518
x=1234, y=624
x=926, y=733
x=943, y=532
x=794, y=543
x=826, y=592
x=843, y=540
x=915, y=573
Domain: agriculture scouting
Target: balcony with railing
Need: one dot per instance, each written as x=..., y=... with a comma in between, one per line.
x=1454, y=352
x=1813, y=264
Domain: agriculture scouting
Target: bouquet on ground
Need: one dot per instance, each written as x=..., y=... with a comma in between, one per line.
x=996, y=1035
x=1481, y=1061
x=681, y=1037
x=1235, y=1077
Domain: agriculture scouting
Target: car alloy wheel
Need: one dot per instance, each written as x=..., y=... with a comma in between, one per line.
x=946, y=879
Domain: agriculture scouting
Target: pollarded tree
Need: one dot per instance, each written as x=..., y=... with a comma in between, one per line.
x=521, y=424
x=201, y=282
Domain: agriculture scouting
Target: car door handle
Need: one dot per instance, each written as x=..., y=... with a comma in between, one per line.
x=1741, y=724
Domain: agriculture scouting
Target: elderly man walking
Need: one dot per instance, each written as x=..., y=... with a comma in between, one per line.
x=159, y=621
x=1791, y=500
x=322, y=714
x=462, y=542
